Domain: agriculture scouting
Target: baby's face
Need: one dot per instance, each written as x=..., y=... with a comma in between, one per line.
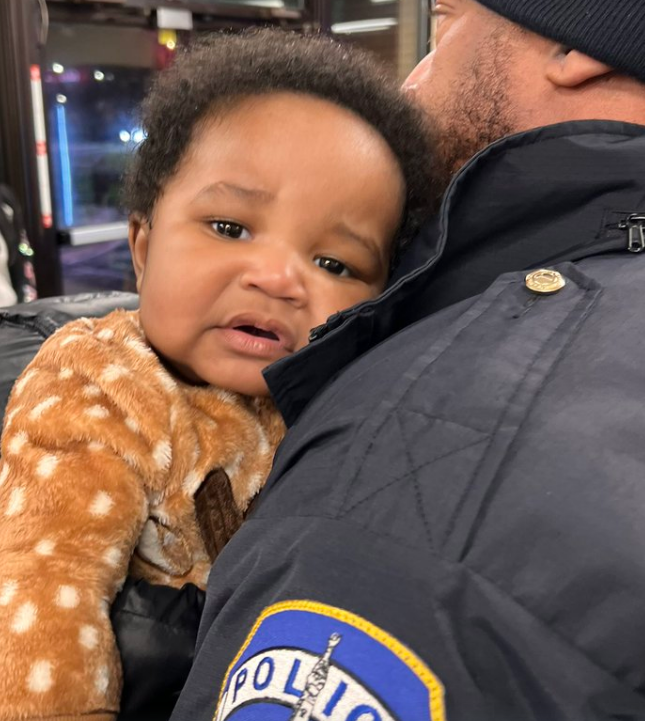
x=282, y=213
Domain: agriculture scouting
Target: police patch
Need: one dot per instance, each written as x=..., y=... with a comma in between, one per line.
x=305, y=661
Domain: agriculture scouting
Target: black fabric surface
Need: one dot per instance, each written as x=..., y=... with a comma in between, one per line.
x=156, y=629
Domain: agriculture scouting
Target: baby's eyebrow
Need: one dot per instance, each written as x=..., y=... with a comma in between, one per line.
x=262, y=196
x=366, y=241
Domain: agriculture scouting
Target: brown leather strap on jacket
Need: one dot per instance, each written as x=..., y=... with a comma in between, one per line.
x=217, y=515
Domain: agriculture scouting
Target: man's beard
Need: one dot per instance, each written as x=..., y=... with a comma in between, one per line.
x=478, y=111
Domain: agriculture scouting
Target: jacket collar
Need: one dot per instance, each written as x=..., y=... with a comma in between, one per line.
x=535, y=199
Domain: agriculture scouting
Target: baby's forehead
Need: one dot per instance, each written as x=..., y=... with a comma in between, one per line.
x=304, y=125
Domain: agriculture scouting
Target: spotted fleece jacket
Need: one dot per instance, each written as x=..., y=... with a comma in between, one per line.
x=103, y=452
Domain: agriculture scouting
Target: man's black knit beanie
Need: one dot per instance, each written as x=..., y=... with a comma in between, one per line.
x=612, y=31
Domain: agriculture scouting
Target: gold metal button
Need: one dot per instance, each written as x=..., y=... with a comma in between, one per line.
x=545, y=281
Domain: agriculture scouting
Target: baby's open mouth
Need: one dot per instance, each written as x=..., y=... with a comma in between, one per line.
x=259, y=332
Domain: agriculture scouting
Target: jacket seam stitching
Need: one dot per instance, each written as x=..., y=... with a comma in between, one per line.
x=526, y=412
x=409, y=473
x=415, y=485
x=581, y=320
x=407, y=392
x=441, y=419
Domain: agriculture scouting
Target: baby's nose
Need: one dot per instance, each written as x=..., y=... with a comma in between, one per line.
x=279, y=274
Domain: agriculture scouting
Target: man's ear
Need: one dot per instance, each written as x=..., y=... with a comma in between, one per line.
x=138, y=238
x=571, y=68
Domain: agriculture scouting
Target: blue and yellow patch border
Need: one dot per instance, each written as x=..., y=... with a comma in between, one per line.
x=403, y=653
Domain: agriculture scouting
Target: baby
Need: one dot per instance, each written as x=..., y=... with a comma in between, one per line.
x=278, y=179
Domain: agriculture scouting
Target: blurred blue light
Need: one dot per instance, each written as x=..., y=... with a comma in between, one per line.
x=65, y=165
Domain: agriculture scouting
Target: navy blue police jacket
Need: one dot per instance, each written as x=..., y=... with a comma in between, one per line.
x=455, y=524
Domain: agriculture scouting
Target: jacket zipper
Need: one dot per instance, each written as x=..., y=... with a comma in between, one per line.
x=635, y=227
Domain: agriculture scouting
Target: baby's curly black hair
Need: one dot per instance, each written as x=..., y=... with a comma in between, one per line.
x=220, y=69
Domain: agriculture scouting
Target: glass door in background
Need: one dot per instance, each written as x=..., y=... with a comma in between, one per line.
x=94, y=78
x=397, y=31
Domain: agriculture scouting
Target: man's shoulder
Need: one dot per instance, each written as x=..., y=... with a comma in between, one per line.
x=473, y=335
x=454, y=393
x=443, y=487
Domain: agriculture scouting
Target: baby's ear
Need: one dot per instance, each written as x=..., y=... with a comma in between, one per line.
x=138, y=235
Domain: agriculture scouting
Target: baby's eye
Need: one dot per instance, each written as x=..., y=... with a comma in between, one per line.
x=227, y=229
x=333, y=266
